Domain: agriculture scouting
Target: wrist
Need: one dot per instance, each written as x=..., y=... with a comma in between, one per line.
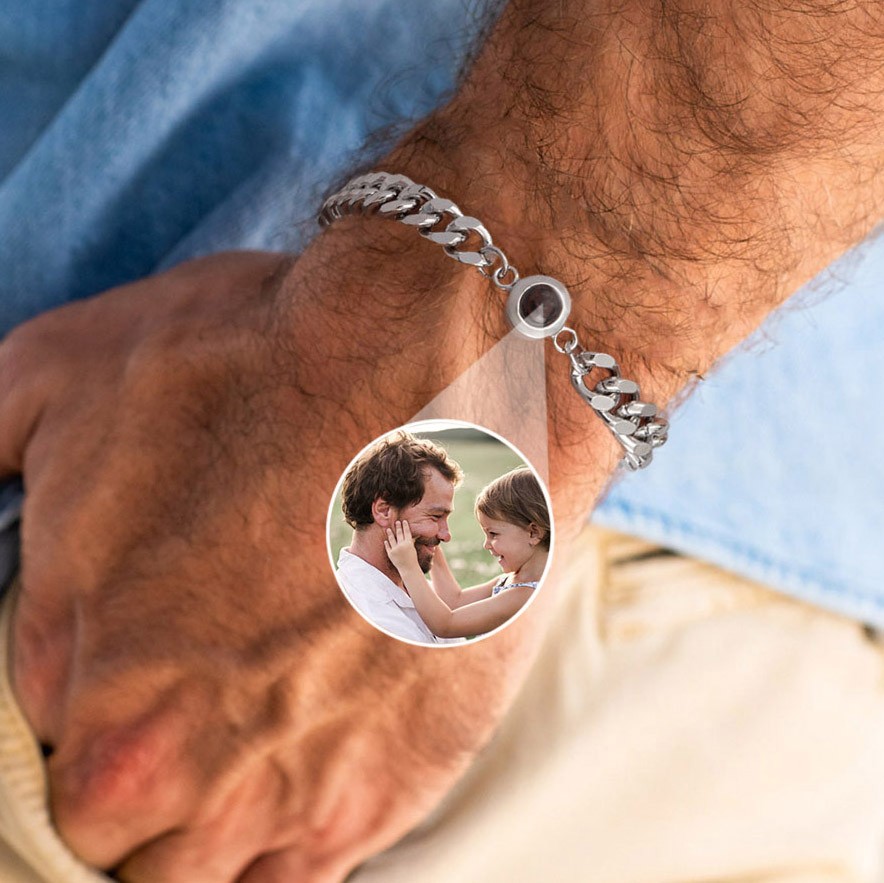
x=658, y=328
x=368, y=298
x=411, y=573
x=463, y=238
x=376, y=327
x=468, y=239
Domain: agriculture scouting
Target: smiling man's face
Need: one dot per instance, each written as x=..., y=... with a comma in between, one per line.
x=428, y=518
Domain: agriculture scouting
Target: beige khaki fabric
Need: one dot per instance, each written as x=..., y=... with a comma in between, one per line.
x=681, y=725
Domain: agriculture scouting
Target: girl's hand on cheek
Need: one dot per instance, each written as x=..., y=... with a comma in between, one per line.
x=400, y=545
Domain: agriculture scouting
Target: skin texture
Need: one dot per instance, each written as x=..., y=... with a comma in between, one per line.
x=216, y=710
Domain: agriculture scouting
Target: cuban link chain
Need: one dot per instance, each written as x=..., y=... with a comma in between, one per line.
x=615, y=399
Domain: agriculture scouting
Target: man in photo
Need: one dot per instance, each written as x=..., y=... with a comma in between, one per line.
x=399, y=478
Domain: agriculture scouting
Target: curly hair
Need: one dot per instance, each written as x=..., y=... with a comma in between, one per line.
x=393, y=469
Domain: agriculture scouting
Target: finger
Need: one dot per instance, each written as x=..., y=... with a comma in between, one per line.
x=216, y=855
x=23, y=394
x=399, y=534
x=117, y=785
x=406, y=531
x=42, y=643
x=291, y=865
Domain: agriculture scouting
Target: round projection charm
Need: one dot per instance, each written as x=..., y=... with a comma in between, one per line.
x=538, y=306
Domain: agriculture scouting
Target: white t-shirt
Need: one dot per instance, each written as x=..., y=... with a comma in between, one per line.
x=382, y=602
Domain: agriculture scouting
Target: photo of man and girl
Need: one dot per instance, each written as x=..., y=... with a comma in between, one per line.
x=397, y=500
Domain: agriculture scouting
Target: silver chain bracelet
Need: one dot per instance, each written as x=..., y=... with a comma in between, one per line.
x=537, y=307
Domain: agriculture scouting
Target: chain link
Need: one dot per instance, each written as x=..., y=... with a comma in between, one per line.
x=400, y=199
x=634, y=423
x=497, y=275
x=571, y=345
x=615, y=399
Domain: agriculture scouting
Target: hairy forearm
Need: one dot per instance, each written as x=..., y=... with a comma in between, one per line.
x=682, y=167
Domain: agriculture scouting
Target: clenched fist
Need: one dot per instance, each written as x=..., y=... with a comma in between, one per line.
x=213, y=709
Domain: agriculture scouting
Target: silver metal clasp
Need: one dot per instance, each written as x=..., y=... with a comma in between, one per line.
x=538, y=306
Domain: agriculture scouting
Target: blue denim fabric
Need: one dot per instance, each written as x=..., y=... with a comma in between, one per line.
x=10, y=510
x=772, y=468
x=137, y=134
x=153, y=131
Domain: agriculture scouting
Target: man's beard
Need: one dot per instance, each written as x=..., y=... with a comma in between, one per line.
x=424, y=555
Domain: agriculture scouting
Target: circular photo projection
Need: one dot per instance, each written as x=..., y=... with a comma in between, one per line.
x=440, y=533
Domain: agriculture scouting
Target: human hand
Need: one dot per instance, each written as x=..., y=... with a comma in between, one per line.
x=400, y=548
x=180, y=642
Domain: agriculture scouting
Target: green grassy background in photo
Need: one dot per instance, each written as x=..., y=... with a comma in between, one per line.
x=482, y=458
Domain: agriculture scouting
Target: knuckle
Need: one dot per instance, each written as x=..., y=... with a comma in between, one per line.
x=121, y=789
x=163, y=352
x=109, y=774
x=46, y=332
x=39, y=349
x=112, y=772
x=181, y=354
x=17, y=351
x=24, y=370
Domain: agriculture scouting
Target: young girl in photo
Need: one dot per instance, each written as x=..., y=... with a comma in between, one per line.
x=513, y=514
